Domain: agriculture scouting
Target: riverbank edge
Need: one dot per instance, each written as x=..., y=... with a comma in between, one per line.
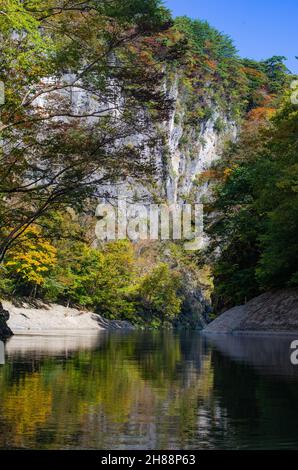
x=5, y=331
x=37, y=317
x=272, y=313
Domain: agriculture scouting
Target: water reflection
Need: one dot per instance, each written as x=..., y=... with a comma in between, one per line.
x=267, y=354
x=149, y=391
x=52, y=345
x=2, y=353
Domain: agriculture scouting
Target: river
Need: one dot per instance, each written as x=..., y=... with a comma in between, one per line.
x=148, y=390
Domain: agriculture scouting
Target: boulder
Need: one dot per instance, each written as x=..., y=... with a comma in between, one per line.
x=5, y=331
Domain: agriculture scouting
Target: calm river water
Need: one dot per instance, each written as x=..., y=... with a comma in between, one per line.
x=148, y=391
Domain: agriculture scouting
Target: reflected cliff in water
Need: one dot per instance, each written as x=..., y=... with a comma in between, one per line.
x=151, y=390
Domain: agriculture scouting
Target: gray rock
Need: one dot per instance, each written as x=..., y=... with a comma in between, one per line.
x=275, y=312
x=112, y=324
x=228, y=322
x=5, y=331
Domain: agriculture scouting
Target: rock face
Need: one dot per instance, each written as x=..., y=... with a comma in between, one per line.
x=274, y=312
x=195, y=308
x=195, y=311
x=192, y=148
x=5, y=331
x=182, y=151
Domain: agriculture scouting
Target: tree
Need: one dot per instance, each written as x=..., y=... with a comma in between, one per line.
x=257, y=202
x=276, y=71
x=158, y=293
x=101, y=279
x=55, y=152
x=30, y=261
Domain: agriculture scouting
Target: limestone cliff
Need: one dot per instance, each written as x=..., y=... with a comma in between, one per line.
x=193, y=145
x=187, y=143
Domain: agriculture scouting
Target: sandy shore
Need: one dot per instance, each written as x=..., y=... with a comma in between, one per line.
x=44, y=318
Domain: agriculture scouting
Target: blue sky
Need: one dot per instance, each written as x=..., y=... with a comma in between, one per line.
x=259, y=28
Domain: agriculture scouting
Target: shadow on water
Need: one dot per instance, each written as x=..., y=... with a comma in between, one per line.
x=148, y=390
